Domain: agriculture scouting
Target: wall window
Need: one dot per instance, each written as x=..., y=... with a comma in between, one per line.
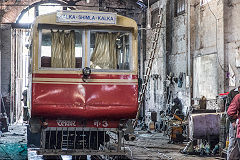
x=61, y=48
x=154, y=17
x=110, y=50
x=179, y=7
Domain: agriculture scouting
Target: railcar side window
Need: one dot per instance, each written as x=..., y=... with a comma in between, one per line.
x=110, y=50
x=61, y=48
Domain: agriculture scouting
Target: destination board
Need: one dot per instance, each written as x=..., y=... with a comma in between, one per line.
x=86, y=17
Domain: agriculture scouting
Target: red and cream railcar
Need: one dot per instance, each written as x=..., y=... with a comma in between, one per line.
x=83, y=78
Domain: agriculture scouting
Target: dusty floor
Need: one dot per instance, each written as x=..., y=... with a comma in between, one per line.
x=13, y=144
x=155, y=146
x=147, y=146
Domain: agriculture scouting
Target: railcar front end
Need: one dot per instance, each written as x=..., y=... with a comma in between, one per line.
x=83, y=80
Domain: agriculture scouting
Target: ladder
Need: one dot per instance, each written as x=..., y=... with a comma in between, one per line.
x=154, y=43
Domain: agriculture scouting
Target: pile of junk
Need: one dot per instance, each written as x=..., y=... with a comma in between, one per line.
x=208, y=128
x=173, y=122
x=203, y=130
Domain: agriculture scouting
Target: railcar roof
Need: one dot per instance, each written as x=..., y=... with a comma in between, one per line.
x=50, y=19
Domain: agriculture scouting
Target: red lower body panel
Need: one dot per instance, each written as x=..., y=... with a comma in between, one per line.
x=88, y=112
x=77, y=100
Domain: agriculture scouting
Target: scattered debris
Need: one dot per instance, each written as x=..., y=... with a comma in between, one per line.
x=13, y=144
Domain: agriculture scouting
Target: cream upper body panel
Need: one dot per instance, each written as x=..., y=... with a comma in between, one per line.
x=122, y=23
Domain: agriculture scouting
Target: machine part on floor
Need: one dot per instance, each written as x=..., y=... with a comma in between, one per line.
x=177, y=117
x=200, y=128
x=129, y=137
x=35, y=125
x=129, y=131
x=176, y=134
x=151, y=125
x=201, y=147
x=128, y=127
x=207, y=149
x=175, y=129
x=189, y=149
x=33, y=139
x=215, y=149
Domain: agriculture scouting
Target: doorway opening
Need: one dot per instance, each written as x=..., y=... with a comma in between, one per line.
x=21, y=56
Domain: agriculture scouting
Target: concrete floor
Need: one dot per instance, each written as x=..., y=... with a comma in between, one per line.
x=13, y=144
x=147, y=146
x=155, y=146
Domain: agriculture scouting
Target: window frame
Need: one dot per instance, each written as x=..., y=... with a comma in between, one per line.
x=86, y=35
x=154, y=14
x=176, y=7
x=110, y=70
x=60, y=69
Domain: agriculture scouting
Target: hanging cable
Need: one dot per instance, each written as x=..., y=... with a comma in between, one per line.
x=1, y=50
x=148, y=17
x=29, y=14
x=216, y=35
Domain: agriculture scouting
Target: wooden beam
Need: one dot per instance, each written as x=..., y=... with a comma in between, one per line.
x=20, y=25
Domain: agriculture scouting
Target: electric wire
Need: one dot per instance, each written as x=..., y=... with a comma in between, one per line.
x=0, y=67
x=216, y=35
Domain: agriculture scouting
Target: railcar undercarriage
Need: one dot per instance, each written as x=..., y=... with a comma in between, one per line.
x=82, y=141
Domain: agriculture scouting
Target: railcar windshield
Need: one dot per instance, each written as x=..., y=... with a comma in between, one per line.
x=106, y=50
x=61, y=48
x=110, y=50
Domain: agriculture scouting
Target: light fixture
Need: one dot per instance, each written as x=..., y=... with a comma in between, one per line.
x=148, y=17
